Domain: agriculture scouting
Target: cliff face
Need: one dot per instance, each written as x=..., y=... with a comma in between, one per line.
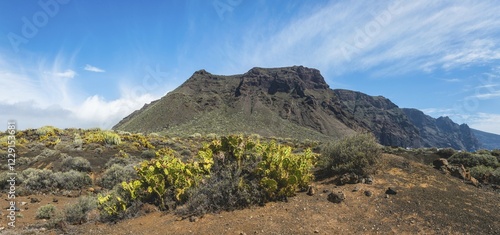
x=291, y=102
x=442, y=132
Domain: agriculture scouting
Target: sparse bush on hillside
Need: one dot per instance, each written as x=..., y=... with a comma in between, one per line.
x=75, y=163
x=148, y=154
x=228, y=173
x=78, y=213
x=71, y=180
x=481, y=172
x=229, y=187
x=358, y=154
x=446, y=152
x=495, y=176
x=36, y=179
x=46, y=212
x=471, y=160
x=116, y=174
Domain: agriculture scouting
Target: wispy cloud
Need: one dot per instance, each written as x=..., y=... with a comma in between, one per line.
x=66, y=74
x=91, y=68
x=392, y=38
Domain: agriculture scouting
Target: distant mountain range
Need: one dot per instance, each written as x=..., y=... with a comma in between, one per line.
x=294, y=102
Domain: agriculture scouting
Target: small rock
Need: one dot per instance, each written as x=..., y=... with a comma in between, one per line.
x=310, y=190
x=387, y=196
x=55, y=200
x=34, y=200
x=193, y=219
x=23, y=203
x=369, y=180
x=355, y=189
x=243, y=233
x=326, y=191
x=368, y=193
x=336, y=197
x=390, y=191
x=316, y=231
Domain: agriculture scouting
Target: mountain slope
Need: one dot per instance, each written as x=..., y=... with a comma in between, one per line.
x=487, y=140
x=293, y=102
x=442, y=132
x=281, y=102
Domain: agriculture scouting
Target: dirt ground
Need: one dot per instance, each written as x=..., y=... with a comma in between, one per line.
x=427, y=202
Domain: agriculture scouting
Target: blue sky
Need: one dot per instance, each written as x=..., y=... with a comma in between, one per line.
x=75, y=63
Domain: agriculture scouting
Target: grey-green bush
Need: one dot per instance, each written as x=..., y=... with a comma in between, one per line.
x=358, y=154
x=71, y=180
x=37, y=179
x=78, y=213
x=46, y=212
x=75, y=163
x=481, y=172
x=117, y=174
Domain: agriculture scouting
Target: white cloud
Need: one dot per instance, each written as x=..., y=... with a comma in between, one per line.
x=66, y=74
x=488, y=122
x=47, y=96
x=91, y=68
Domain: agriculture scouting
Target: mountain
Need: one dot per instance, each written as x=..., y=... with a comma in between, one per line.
x=487, y=140
x=290, y=102
x=442, y=132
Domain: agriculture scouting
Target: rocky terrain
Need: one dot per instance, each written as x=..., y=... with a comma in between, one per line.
x=291, y=102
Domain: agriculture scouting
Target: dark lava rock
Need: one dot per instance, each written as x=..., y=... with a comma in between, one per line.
x=368, y=193
x=391, y=191
x=336, y=197
x=34, y=200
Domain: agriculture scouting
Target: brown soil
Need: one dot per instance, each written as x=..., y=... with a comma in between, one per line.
x=427, y=202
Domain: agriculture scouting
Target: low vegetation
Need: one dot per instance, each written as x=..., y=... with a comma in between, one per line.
x=357, y=154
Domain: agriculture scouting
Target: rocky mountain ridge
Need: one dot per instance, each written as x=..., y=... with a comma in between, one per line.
x=290, y=102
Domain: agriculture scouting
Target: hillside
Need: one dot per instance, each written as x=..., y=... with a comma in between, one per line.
x=442, y=132
x=488, y=140
x=290, y=102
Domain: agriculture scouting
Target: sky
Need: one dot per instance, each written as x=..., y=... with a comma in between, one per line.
x=84, y=64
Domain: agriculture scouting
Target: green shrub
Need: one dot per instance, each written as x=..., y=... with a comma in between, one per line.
x=71, y=180
x=75, y=163
x=78, y=213
x=481, y=172
x=281, y=173
x=46, y=212
x=357, y=154
x=495, y=176
x=471, y=160
x=102, y=137
x=116, y=174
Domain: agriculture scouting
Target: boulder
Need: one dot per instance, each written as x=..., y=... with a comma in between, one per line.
x=440, y=162
x=336, y=197
x=349, y=178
